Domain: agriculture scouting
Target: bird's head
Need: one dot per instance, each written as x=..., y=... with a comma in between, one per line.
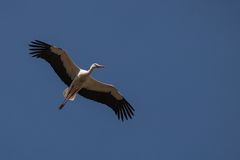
x=96, y=65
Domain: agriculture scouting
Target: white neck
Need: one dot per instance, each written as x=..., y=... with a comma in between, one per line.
x=91, y=69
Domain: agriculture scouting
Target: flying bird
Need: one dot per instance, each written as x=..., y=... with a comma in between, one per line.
x=80, y=81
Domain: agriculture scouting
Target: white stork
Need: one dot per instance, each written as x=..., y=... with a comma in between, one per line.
x=79, y=80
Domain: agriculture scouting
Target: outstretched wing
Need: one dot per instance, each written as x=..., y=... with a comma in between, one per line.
x=57, y=58
x=107, y=94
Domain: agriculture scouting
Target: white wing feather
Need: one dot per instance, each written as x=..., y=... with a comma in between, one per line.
x=95, y=85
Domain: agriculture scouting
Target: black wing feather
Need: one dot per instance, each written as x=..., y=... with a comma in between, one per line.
x=121, y=107
x=42, y=50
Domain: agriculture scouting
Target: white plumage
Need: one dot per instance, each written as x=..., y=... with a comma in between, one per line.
x=79, y=81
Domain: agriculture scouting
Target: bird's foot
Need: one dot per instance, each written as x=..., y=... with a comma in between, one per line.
x=61, y=106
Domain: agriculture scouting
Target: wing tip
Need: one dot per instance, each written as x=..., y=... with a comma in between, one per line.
x=124, y=110
x=39, y=44
x=37, y=48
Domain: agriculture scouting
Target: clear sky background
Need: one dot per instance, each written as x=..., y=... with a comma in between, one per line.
x=177, y=62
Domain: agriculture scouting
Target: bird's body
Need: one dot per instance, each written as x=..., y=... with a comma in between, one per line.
x=77, y=83
x=80, y=81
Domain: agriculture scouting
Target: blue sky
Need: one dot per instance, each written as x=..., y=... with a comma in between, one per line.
x=177, y=63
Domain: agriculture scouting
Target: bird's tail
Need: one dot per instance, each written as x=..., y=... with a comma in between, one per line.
x=68, y=95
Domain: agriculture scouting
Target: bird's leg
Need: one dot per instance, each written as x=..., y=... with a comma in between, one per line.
x=63, y=104
x=67, y=98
